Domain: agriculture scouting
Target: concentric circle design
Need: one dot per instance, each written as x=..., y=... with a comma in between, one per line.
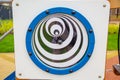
x=60, y=42
x=57, y=41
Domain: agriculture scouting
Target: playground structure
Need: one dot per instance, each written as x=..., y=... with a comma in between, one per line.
x=60, y=41
x=73, y=13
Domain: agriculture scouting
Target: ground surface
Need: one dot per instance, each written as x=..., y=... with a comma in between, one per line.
x=112, y=59
x=7, y=65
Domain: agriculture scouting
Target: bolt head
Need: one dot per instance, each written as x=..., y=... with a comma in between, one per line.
x=17, y=4
x=104, y=5
x=90, y=30
x=30, y=53
x=47, y=12
x=89, y=55
x=71, y=71
x=20, y=74
x=47, y=70
x=73, y=12
x=99, y=76
x=29, y=29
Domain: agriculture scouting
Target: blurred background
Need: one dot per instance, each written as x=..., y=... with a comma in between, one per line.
x=7, y=39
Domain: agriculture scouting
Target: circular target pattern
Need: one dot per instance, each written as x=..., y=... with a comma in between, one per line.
x=59, y=41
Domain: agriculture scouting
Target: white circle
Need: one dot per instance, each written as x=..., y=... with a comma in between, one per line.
x=57, y=46
x=54, y=28
x=54, y=19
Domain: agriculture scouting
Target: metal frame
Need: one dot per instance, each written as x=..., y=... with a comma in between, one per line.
x=82, y=62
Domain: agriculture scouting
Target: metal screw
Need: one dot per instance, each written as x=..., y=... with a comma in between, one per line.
x=90, y=30
x=104, y=5
x=47, y=70
x=20, y=74
x=73, y=12
x=71, y=71
x=47, y=12
x=17, y=4
x=29, y=29
x=30, y=53
x=89, y=55
x=99, y=76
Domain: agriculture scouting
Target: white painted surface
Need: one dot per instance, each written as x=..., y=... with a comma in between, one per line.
x=95, y=13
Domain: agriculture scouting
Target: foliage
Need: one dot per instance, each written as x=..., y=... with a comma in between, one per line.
x=5, y=25
x=113, y=28
x=112, y=41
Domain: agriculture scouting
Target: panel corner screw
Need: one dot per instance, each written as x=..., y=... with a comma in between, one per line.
x=17, y=4
x=99, y=76
x=104, y=5
x=20, y=74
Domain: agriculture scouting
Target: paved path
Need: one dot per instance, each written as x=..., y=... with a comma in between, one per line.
x=7, y=65
x=112, y=59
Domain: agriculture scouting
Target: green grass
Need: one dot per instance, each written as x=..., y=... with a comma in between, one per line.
x=7, y=44
x=112, y=42
x=112, y=37
x=113, y=28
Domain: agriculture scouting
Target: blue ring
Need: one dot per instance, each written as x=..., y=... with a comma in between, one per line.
x=77, y=66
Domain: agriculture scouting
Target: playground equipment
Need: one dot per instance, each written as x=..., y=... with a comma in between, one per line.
x=60, y=39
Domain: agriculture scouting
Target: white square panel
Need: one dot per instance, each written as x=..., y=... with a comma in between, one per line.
x=97, y=14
